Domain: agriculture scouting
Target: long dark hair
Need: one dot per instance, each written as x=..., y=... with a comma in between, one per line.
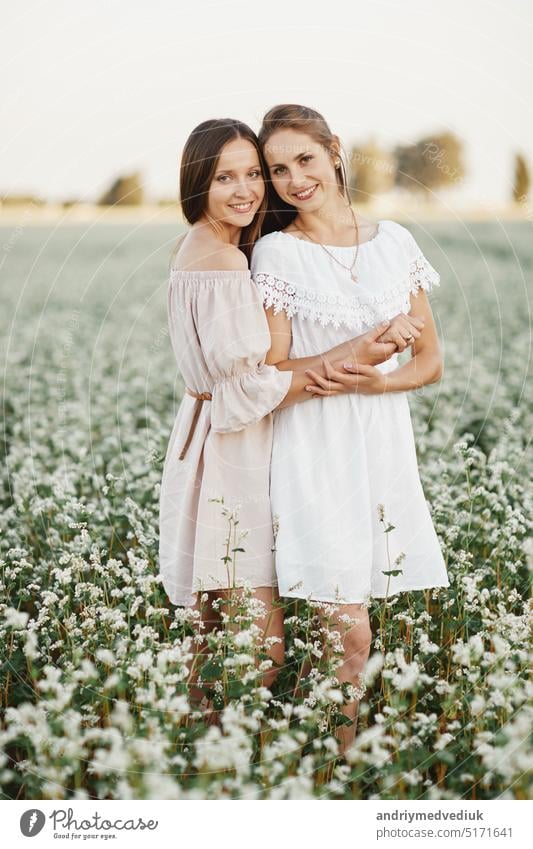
x=198, y=165
x=291, y=116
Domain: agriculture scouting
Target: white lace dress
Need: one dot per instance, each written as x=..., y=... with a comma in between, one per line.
x=339, y=462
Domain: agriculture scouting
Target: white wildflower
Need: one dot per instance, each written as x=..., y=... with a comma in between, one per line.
x=16, y=619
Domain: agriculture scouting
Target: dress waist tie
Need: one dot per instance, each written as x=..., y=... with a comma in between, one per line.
x=200, y=396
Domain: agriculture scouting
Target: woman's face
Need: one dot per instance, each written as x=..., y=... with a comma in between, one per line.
x=301, y=169
x=237, y=187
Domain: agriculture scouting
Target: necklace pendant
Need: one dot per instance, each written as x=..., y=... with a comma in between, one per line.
x=353, y=275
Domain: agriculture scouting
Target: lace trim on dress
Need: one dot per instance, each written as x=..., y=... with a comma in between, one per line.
x=342, y=309
x=422, y=275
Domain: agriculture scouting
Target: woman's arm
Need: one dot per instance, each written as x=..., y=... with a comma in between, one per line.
x=425, y=366
x=280, y=326
x=375, y=346
x=281, y=333
x=362, y=349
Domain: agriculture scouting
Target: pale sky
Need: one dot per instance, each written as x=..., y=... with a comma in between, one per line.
x=94, y=89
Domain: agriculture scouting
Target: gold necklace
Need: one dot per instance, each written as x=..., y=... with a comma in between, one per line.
x=349, y=268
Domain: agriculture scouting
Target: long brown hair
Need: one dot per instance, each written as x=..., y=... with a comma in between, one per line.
x=198, y=165
x=291, y=116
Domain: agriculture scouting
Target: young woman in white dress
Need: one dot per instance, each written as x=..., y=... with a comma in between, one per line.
x=343, y=465
x=220, y=445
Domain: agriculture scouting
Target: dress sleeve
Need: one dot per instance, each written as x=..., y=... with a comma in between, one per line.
x=235, y=340
x=422, y=275
x=267, y=273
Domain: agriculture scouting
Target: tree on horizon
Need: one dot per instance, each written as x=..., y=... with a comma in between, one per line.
x=434, y=162
x=521, y=180
x=373, y=171
x=125, y=190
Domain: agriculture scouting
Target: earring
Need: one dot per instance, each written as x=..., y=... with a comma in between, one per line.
x=337, y=163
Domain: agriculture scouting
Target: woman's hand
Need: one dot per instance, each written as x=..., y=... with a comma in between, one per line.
x=366, y=348
x=403, y=331
x=381, y=342
x=364, y=353
x=345, y=378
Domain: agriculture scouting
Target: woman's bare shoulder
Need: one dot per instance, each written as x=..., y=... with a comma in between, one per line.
x=199, y=252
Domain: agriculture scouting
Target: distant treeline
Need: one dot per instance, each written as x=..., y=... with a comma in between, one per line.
x=430, y=164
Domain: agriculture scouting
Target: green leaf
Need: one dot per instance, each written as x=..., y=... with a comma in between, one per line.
x=446, y=757
x=212, y=669
x=218, y=701
x=236, y=689
x=342, y=719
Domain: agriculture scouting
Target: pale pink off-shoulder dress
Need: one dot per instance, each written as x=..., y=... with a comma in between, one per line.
x=221, y=443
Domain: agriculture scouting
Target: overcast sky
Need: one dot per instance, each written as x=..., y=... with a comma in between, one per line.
x=95, y=89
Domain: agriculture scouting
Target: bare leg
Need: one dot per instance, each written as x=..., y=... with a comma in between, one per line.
x=210, y=618
x=271, y=625
x=356, y=640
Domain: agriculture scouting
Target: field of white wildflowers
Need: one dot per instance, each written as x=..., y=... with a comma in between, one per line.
x=95, y=661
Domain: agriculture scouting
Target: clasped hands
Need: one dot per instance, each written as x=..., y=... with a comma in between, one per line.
x=358, y=372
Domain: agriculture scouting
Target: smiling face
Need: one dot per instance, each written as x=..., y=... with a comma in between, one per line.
x=302, y=171
x=237, y=187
